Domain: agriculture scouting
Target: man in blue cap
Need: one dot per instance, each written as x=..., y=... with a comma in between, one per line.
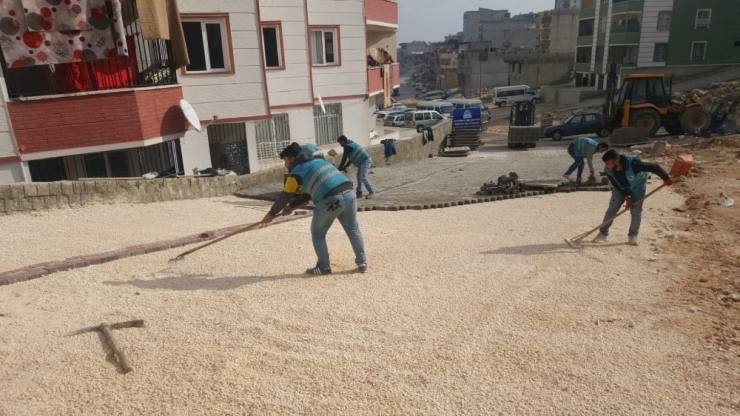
x=628, y=176
x=584, y=148
x=331, y=192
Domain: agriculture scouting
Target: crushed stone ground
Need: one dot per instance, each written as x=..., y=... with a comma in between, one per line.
x=480, y=309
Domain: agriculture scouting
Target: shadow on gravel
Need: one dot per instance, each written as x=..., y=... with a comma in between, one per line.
x=208, y=282
x=536, y=249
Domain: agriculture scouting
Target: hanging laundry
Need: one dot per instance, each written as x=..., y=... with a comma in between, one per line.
x=56, y=15
x=24, y=47
x=160, y=19
x=119, y=31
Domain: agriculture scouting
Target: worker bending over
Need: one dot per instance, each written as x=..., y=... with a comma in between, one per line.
x=628, y=176
x=584, y=148
x=356, y=155
x=311, y=149
x=331, y=193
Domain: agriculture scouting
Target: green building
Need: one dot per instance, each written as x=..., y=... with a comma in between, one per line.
x=704, y=32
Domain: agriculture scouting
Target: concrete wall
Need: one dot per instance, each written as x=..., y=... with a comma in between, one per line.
x=387, y=40
x=11, y=172
x=549, y=68
x=196, y=152
x=649, y=33
x=564, y=31
x=40, y=196
x=573, y=96
x=475, y=74
x=509, y=33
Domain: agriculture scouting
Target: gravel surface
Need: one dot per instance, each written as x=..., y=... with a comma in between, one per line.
x=37, y=237
x=480, y=309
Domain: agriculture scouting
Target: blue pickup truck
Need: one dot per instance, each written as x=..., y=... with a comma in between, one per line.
x=579, y=124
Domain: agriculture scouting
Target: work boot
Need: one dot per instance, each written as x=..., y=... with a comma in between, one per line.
x=362, y=268
x=578, y=181
x=633, y=240
x=600, y=238
x=359, y=195
x=370, y=196
x=567, y=177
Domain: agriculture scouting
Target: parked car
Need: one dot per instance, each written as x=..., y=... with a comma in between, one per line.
x=397, y=107
x=585, y=123
x=396, y=120
x=421, y=119
x=504, y=96
x=435, y=95
x=462, y=103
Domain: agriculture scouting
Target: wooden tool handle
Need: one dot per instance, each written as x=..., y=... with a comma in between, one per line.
x=239, y=231
x=125, y=365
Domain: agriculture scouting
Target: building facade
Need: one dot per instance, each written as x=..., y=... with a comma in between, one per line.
x=677, y=37
x=472, y=22
x=262, y=74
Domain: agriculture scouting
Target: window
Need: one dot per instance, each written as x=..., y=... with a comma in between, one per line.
x=737, y=43
x=698, y=51
x=576, y=119
x=324, y=46
x=664, y=20
x=703, y=17
x=427, y=115
x=589, y=118
x=660, y=54
x=272, y=36
x=599, y=53
x=602, y=26
x=207, y=43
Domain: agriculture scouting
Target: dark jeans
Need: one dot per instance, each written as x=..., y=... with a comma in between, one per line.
x=636, y=211
x=577, y=164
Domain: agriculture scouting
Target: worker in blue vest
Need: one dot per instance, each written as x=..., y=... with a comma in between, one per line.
x=331, y=193
x=628, y=176
x=584, y=148
x=356, y=155
x=311, y=149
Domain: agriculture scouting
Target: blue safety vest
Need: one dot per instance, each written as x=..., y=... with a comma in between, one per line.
x=357, y=155
x=636, y=180
x=580, y=144
x=309, y=148
x=318, y=178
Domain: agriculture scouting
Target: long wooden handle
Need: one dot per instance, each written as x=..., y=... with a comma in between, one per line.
x=634, y=204
x=239, y=231
x=125, y=365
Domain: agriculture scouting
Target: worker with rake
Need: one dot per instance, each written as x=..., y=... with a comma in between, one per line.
x=331, y=192
x=584, y=148
x=628, y=176
x=356, y=155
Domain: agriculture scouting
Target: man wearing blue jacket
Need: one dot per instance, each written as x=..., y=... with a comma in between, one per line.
x=331, y=193
x=584, y=148
x=628, y=176
x=311, y=149
x=356, y=155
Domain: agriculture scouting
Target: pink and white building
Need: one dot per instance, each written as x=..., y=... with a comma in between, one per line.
x=259, y=73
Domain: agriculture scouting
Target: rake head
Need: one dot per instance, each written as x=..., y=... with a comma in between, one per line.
x=178, y=261
x=575, y=243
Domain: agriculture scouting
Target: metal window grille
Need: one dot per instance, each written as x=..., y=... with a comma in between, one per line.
x=228, y=145
x=148, y=63
x=328, y=126
x=272, y=137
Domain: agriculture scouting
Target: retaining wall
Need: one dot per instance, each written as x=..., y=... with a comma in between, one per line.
x=38, y=196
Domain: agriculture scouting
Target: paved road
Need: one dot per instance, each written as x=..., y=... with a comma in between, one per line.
x=450, y=179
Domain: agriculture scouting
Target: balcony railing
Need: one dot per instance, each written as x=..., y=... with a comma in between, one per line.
x=585, y=41
x=583, y=67
x=147, y=64
x=382, y=11
x=624, y=6
x=588, y=13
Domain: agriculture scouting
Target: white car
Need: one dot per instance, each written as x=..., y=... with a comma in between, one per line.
x=397, y=120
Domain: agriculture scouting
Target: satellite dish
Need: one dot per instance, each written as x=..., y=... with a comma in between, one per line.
x=190, y=115
x=321, y=103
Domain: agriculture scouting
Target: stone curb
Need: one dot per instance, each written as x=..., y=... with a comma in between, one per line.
x=42, y=269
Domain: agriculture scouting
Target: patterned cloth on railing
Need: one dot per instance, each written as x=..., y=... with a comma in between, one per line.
x=26, y=41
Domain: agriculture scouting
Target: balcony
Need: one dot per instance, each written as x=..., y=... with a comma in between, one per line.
x=626, y=6
x=585, y=41
x=624, y=38
x=376, y=84
x=148, y=64
x=381, y=14
x=583, y=67
x=587, y=13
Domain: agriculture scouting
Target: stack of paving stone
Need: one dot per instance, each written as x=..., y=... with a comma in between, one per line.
x=524, y=136
x=628, y=136
x=464, y=138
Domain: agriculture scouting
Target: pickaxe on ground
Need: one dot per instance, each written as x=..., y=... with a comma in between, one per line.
x=105, y=329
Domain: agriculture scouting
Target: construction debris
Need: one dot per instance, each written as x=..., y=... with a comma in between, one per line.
x=377, y=57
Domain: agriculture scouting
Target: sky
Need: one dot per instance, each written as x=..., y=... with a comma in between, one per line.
x=432, y=20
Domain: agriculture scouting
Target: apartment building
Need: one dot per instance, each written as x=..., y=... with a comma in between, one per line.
x=261, y=74
x=674, y=36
